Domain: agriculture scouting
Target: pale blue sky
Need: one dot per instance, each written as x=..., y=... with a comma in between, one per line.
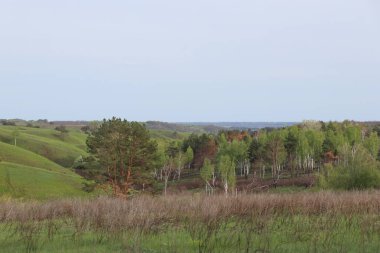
x=198, y=60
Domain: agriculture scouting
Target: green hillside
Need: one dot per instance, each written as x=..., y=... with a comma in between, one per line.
x=12, y=154
x=28, y=182
x=35, y=168
x=47, y=143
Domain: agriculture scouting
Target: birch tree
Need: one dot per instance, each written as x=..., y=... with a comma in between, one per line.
x=189, y=154
x=276, y=152
x=167, y=171
x=208, y=174
x=226, y=167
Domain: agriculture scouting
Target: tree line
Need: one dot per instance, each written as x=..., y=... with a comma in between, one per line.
x=341, y=155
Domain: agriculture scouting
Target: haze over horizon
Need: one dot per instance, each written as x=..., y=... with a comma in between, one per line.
x=196, y=61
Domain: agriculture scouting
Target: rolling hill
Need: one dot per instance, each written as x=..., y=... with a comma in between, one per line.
x=39, y=166
x=21, y=181
x=62, y=150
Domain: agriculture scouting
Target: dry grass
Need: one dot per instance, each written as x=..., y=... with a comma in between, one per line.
x=205, y=218
x=145, y=210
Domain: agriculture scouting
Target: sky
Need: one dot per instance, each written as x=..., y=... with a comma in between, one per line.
x=198, y=60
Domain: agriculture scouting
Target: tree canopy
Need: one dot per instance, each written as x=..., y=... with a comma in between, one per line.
x=123, y=149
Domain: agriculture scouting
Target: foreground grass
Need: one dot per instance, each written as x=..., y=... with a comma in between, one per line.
x=279, y=234
x=299, y=222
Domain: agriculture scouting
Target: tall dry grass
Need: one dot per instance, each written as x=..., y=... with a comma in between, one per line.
x=203, y=217
x=146, y=211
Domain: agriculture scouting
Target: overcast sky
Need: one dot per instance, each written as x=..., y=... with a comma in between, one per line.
x=198, y=60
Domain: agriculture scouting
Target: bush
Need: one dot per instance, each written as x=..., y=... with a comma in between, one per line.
x=61, y=129
x=78, y=163
x=357, y=170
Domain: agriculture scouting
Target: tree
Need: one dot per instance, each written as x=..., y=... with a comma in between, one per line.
x=167, y=171
x=291, y=146
x=303, y=151
x=276, y=153
x=15, y=135
x=208, y=174
x=203, y=146
x=226, y=167
x=123, y=149
x=237, y=151
x=353, y=135
x=257, y=152
x=333, y=141
x=180, y=163
x=372, y=144
x=189, y=154
x=174, y=151
x=315, y=140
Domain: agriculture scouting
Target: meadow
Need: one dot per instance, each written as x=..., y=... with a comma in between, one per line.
x=298, y=222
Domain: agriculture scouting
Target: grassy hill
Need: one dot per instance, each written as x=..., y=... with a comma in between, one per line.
x=39, y=166
x=20, y=181
x=48, y=143
x=13, y=154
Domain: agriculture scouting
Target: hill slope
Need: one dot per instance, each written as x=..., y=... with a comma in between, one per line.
x=22, y=181
x=47, y=143
x=13, y=154
x=35, y=167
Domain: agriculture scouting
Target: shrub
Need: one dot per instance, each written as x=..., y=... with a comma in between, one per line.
x=356, y=170
x=61, y=129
